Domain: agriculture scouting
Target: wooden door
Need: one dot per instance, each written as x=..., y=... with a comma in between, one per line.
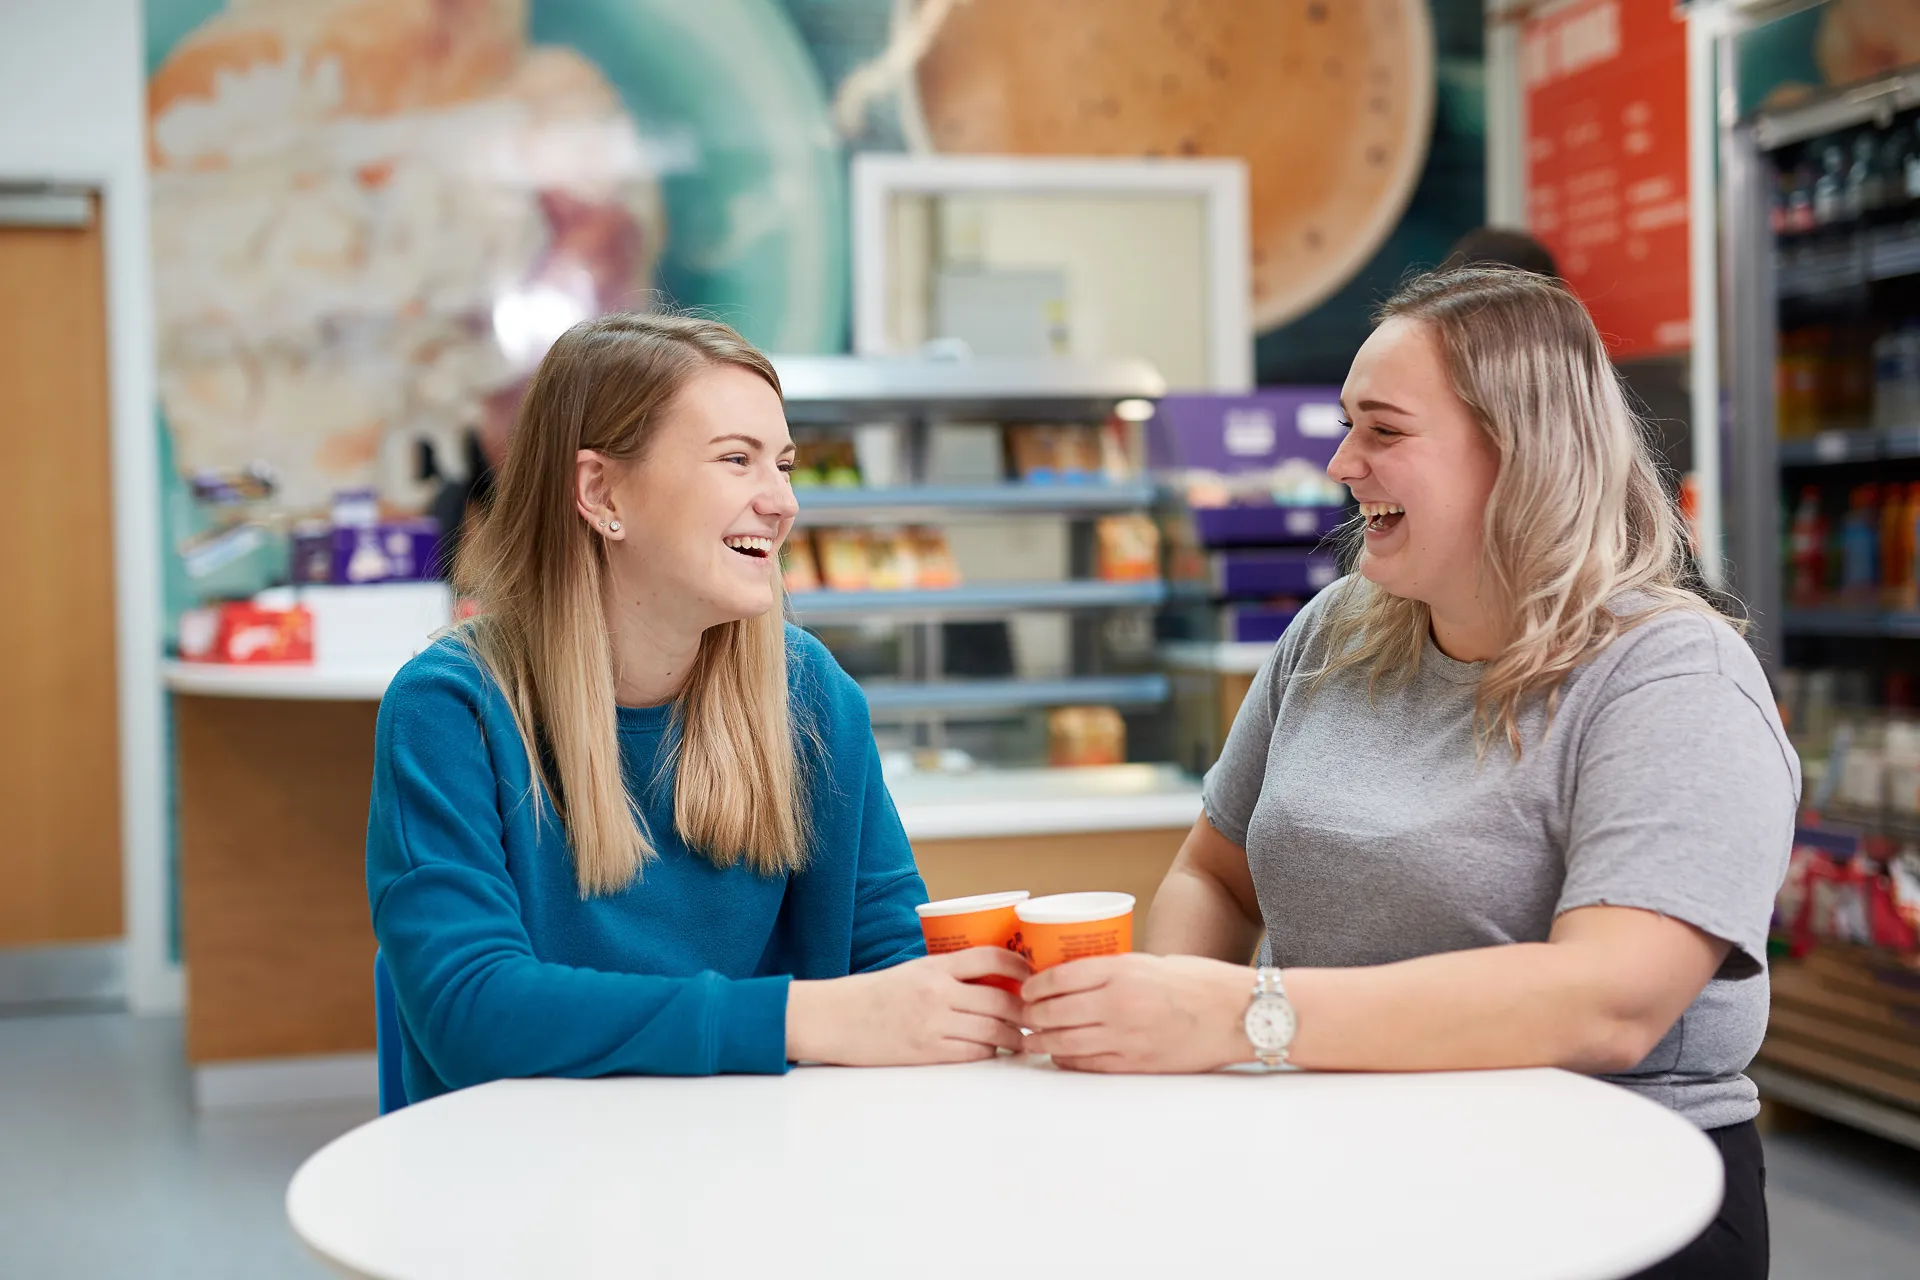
x=59, y=742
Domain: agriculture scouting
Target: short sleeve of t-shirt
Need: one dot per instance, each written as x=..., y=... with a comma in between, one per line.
x=1231, y=788
x=1682, y=787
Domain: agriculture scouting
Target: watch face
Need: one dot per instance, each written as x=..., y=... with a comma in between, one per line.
x=1270, y=1024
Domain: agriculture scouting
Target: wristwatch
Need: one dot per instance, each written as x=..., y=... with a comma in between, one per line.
x=1270, y=1021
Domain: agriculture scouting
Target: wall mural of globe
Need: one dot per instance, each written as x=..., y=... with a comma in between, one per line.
x=370, y=216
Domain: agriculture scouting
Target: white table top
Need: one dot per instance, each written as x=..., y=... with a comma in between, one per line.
x=1012, y=1168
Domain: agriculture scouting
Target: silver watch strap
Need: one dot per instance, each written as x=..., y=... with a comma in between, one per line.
x=1266, y=982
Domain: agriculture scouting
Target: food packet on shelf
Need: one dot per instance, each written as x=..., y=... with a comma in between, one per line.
x=1116, y=452
x=1077, y=453
x=842, y=556
x=798, y=568
x=890, y=561
x=1903, y=885
x=1127, y=548
x=839, y=463
x=933, y=559
x=1081, y=737
x=806, y=464
x=1033, y=453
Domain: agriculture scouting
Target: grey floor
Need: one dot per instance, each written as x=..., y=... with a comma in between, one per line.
x=106, y=1172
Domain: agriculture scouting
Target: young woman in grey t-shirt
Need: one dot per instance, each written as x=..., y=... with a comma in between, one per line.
x=1510, y=796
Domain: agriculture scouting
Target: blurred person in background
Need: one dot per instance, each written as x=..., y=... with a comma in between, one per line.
x=1502, y=247
x=1509, y=796
x=461, y=500
x=626, y=819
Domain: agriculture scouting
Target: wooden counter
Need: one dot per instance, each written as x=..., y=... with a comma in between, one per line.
x=275, y=775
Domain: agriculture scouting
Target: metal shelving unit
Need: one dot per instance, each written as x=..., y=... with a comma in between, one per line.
x=998, y=695
x=986, y=600
x=914, y=395
x=824, y=505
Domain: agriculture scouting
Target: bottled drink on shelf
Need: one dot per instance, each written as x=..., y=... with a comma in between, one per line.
x=1829, y=189
x=1866, y=191
x=1896, y=547
x=1808, y=550
x=1796, y=387
x=1801, y=178
x=1905, y=594
x=1896, y=377
x=1860, y=548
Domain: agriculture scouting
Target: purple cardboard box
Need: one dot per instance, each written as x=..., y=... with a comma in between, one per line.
x=397, y=551
x=1253, y=432
x=1261, y=575
x=1256, y=622
x=1265, y=525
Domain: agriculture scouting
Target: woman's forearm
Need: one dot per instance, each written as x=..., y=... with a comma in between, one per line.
x=1524, y=1005
x=1193, y=914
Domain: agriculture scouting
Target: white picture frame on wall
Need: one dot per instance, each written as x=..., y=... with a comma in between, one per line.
x=1209, y=336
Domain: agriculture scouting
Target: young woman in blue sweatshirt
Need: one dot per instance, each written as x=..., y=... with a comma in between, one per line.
x=626, y=819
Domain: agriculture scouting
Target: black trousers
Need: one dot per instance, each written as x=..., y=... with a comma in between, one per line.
x=1734, y=1245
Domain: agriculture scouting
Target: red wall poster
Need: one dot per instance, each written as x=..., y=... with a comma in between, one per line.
x=1606, y=162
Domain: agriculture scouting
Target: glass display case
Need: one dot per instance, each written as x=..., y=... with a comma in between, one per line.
x=1822, y=262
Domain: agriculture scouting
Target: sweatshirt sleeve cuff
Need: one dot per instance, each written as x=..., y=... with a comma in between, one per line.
x=753, y=1027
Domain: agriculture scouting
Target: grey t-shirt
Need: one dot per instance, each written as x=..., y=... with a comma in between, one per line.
x=1666, y=783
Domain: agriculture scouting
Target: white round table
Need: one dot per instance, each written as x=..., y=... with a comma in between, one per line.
x=1011, y=1168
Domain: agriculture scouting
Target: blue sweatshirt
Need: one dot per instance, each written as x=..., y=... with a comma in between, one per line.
x=499, y=967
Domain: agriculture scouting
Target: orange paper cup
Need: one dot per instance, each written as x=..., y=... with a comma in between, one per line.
x=1074, y=926
x=984, y=920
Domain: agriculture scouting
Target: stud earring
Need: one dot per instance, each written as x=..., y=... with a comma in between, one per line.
x=613, y=526
x=601, y=523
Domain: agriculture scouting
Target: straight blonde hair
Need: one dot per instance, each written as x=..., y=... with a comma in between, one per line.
x=539, y=575
x=1577, y=517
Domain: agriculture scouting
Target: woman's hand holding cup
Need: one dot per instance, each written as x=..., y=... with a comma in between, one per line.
x=931, y=1010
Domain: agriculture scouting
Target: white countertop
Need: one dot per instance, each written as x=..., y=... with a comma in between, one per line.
x=299, y=681
x=1025, y=802
x=943, y=806
x=1014, y=1167
x=1227, y=657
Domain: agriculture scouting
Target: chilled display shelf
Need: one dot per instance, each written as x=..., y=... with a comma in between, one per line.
x=821, y=505
x=1831, y=448
x=1850, y=622
x=1884, y=254
x=995, y=696
x=991, y=598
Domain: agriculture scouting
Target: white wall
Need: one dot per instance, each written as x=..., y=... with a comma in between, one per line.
x=72, y=109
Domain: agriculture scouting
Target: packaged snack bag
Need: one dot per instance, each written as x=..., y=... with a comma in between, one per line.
x=1127, y=548
x=798, y=568
x=933, y=558
x=842, y=557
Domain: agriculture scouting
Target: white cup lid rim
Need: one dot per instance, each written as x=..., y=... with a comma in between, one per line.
x=1074, y=908
x=977, y=902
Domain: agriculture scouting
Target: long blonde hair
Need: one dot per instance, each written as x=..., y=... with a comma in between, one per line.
x=1577, y=516
x=539, y=575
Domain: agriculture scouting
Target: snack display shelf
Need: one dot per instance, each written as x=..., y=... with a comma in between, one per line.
x=991, y=599
x=993, y=696
x=1850, y=622
x=825, y=505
